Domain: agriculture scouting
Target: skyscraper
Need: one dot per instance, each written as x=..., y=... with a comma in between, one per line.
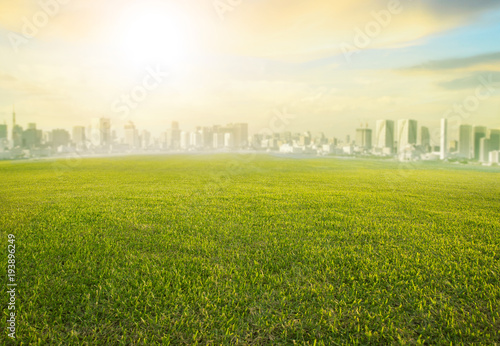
x=484, y=149
x=185, y=140
x=174, y=136
x=364, y=138
x=465, y=142
x=145, y=139
x=17, y=131
x=30, y=138
x=495, y=140
x=384, y=135
x=60, y=137
x=78, y=135
x=479, y=132
x=240, y=132
x=444, y=139
x=425, y=139
x=407, y=134
x=3, y=131
x=131, y=135
x=207, y=137
x=100, y=132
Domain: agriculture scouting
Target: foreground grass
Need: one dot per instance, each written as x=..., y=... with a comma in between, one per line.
x=187, y=250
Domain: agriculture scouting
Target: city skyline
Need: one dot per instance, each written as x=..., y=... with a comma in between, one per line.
x=406, y=142
x=418, y=132
x=152, y=62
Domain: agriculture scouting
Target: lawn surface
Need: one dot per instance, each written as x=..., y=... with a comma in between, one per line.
x=238, y=249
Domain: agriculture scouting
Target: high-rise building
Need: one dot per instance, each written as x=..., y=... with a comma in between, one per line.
x=465, y=142
x=174, y=136
x=218, y=140
x=131, y=135
x=407, y=134
x=3, y=131
x=425, y=139
x=228, y=140
x=479, y=132
x=364, y=138
x=31, y=137
x=384, y=136
x=207, y=137
x=443, y=152
x=185, y=140
x=495, y=140
x=60, y=137
x=240, y=132
x=196, y=139
x=78, y=135
x=484, y=149
x=17, y=132
x=227, y=135
x=100, y=132
x=145, y=139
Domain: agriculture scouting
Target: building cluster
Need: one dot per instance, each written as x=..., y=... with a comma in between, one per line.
x=401, y=139
x=100, y=138
x=407, y=141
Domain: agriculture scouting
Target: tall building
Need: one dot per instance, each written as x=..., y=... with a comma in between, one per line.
x=100, y=132
x=145, y=139
x=3, y=131
x=495, y=140
x=218, y=140
x=384, y=135
x=425, y=139
x=196, y=139
x=465, y=142
x=407, y=134
x=60, y=137
x=207, y=137
x=78, y=135
x=479, y=132
x=17, y=132
x=240, y=132
x=484, y=149
x=131, y=135
x=228, y=140
x=31, y=138
x=227, y=134
x=364, y=138
x=443, y=148
x=174, y=136
x=185, y=140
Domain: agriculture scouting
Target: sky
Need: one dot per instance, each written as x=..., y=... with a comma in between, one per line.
x=285, y=65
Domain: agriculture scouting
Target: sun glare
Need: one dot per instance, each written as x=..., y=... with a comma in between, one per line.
x=153, y=33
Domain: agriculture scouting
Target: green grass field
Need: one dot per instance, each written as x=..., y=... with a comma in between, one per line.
x=229, y=249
